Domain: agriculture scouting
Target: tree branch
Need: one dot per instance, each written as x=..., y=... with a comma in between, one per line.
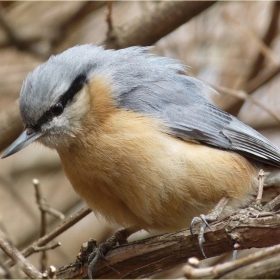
x=163, y=19
x=67, y=223
x=17, y=257
x=246, y=229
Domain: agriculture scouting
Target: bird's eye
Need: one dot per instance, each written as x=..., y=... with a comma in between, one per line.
x=57, y=109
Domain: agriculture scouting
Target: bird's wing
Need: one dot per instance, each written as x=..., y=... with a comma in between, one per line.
x=209, y=125
x=188, y=114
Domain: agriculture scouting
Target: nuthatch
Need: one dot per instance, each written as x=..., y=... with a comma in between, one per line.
x=138, y=140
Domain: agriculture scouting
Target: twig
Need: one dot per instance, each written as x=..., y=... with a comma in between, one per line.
x=43, y=205
x=260, y=189
x=264, y=49
x=67, y=223
x=252, y=86
x=272, y=31
x=17, y=257
x=44, y=209
x=47, y=247
x=217, y=271
x=274, y=203
x=242, y=95
x=109, y=17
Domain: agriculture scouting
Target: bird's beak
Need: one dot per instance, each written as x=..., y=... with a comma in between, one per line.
x=22, y=141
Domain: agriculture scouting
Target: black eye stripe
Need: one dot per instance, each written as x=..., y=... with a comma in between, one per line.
x=67, y=97
x=75, y=87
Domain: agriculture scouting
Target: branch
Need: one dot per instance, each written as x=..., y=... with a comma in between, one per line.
x=17, y=257
x=163, y=19
x=242, y=95
x=246, y=229
x=254, y=79
x=44, y=209
x=219, y=270
x=272, y=31
x=253, y=85
x=67, y=223
x=10, y=125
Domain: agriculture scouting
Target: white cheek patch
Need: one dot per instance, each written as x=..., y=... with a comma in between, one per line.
x=68, y=122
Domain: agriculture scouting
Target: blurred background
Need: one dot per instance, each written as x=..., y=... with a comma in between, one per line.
x=232, y=45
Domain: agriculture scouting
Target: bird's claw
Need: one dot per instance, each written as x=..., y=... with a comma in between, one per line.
x=204, y=224
x=97, y=254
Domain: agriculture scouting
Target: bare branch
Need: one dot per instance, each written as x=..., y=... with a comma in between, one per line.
x=272, y=31
x=146, y=257
x=163, y=19
x=264, y=49
x=67, y=223
x=10, y=125
x=47, y=247
x=242, y=95
x=252, y=86
x=44, y=209
x=109, y=17
x=17, y=257
x=219, y=270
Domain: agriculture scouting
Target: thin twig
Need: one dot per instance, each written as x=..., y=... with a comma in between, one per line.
x=260, y=189
x=109, y=17
x=47, y=247
x=272, y=31
x=18, y=258
x=43, y=205
x=44, y=209
x=240, y=94
x=219, y=270
x=66, y=224
x=264, y=49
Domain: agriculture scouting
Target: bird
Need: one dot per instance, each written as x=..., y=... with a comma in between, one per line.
x=139, y=140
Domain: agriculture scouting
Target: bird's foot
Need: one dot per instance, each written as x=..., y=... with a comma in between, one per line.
x=99, y=253
x=205, y=219
x=204, y=223
x=120, y=237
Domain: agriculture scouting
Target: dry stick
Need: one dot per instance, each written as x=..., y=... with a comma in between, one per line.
x=18, y=258
x=219, y=270
x=264, y=269
x=272, y=31
x=157, y=23
x=234, y=107
x=43, y=205
x=10, y=125
x=109, y=18
x=264, y=49
x=242, y=95
x=67, y=223
x=44, y=209
x=255, y=84
x=260, y=189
